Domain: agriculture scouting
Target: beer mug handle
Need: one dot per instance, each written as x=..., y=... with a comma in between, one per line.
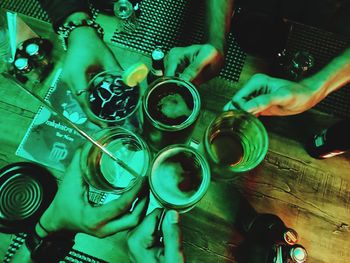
x=158, y=234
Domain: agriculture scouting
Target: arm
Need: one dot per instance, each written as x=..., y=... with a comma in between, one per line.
x=199, y=63
x=335, y=75
x=71, y=212
x=218, y=13
x=86, y=50
x=265, y=95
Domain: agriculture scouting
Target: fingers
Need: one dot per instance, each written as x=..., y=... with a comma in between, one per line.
x=258, y=104
x=172, y=61
x=77, y=81
x=204, y=64
x=119, y=206
x=253, y=85
x=124, y=222
x=172, y=238
x=193, y=70
x=142, y=236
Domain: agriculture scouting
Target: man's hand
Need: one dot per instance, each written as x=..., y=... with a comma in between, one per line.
x=141, y=240
x=70, y=209
x=86, y=53
x=196, y=63
x=264, y=95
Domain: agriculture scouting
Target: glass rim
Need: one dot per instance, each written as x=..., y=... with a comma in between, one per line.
x=203, y=188
x=252, y=118
x=107, y=133
x=89, y=89
x=196, y=103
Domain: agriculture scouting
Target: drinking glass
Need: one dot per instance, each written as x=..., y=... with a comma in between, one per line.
x=4, y=43
x=112, y=103
x=179, y=177
x=104, y=176
x=171, y=107
x=235, y=142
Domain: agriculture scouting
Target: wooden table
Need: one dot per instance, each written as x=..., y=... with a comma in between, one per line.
x=311, y=196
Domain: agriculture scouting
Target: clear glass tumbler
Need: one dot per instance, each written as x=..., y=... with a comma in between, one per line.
x=235, y=142
x=103, y=174
x=179, y=177
x=110, y=102
x=171, y=107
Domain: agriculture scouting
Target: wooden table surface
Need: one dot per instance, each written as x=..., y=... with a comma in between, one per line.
x=311, y=196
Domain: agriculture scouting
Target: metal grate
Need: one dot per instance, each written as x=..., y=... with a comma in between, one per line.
x=176, y=23
x=27, y=7
x=167, y=23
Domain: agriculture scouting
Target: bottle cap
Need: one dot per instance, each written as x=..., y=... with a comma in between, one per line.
x=290, y=236
x=26, y=190
x=32, y=49
x=298, y=254
x=123, y=9
x=21, y=63
x=157, y=54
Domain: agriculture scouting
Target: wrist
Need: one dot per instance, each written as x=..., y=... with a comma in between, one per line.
x=49, y=222
x=85, y=25
x=317, y=85
x=76, y=17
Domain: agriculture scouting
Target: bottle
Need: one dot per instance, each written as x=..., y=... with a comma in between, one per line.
x=330, y=142
x=270, y=228
x=295, y=254
x=157, y=70
x=24, y=70
x=37, y=55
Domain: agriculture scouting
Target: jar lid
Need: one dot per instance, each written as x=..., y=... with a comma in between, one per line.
x=32, y=49
x=21, y=63
x=298, y=254
x=26, y=190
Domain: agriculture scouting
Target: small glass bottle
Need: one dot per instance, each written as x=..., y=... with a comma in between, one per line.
x=157, y=70
x=295, y=254
x=272, y=229
x=330, y=142
x=37, y=55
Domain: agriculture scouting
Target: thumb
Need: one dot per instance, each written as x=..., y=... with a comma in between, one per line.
x=172, y=238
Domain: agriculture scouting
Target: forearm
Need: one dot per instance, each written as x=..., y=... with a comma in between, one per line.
x=218, y=14
x=59, y=10
x=332, y=77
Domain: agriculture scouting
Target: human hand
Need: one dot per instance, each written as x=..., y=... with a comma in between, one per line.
x=86, y=53
x=265, y=95
x=196, y=63
x=141, y=240
x=70, y=209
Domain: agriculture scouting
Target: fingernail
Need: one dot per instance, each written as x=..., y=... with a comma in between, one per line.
x=173, y=217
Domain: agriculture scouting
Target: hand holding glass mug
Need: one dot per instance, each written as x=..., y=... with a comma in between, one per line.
x=70, y=209
x=142, y=244
x=234, y=142
x=265, y=95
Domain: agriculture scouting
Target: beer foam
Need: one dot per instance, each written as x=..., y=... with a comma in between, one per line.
x=174, y=106
x=174, y=181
